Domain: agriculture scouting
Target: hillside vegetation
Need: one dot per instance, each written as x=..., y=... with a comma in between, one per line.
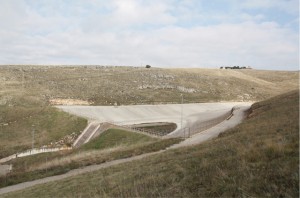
x=28, y=92
x=26, y=118
x=259, y=158
x=111, y=145
x=99, y=85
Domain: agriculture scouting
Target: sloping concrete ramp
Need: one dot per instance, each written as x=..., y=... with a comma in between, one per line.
x=87, y=134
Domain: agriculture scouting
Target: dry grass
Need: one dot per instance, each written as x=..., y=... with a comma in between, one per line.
x=23, y=115
x=79, y=157
x=28, y=90
x=258, y=158
x=110, y=145
x=128, y=85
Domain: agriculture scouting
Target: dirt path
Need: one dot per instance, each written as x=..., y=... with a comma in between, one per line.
x=71, y=173
x=238, y=116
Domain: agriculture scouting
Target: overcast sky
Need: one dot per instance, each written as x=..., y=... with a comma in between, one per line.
x=163, y=33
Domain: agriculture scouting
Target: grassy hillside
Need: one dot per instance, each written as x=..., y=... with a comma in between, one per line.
x=110, y=145
x=28, y=92
x=24, y=114
x=260, y=158
x=117, y=137
x=128, y=85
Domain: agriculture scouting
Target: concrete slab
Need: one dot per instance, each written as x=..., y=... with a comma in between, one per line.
x=136, y=114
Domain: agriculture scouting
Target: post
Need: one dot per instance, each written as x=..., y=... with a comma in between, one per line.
x=181, y=109
x=33, y=136
x=46, y=164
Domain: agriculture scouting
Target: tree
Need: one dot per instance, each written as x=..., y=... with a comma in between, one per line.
x=148, y=66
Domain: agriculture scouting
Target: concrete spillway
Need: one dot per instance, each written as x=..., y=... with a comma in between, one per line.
x=183, y=115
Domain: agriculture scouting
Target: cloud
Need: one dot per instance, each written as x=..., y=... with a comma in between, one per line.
x=137, y=12
x=288, y=6
x=129, y=14
x=240, y=44
x=167, y=33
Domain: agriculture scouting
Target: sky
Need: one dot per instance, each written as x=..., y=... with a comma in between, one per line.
x=263, y=34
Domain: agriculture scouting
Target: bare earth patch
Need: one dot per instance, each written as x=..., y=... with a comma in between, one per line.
x=57, y=101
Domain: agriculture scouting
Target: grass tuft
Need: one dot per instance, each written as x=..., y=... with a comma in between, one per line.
x=116, y=137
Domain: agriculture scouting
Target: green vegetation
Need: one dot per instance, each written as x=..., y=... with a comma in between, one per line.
x=117, y=137
x=24, y=114
x=256, y=158
x=110, y=145
x=26, y=93
x=129, y=85
x=259, y=158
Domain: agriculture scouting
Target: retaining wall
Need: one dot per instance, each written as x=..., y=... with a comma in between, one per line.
x=200, y=125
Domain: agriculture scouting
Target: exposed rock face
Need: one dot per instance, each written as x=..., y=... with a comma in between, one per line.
x=167, y=86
